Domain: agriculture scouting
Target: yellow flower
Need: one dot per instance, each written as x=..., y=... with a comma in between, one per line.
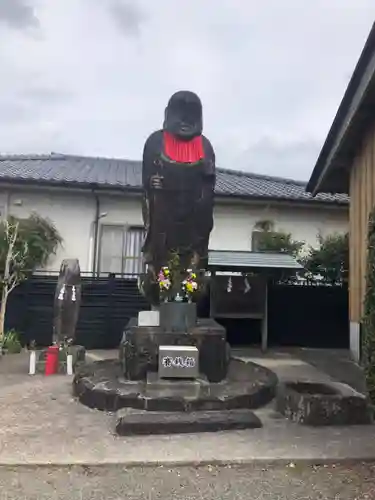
x=189, y=287
x=193, y=275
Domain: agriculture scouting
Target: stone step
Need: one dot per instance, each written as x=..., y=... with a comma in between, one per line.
x=130, y=422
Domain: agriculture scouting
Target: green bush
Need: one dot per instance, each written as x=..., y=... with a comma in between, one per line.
x=368, y=322
x=11, y=342
x=270, y=240
x=25, y=244
x=331, y=259
x=39, y=234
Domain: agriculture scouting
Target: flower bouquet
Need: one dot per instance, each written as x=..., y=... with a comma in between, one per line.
x=165, y=283
x=177, y=288
x=189, y=285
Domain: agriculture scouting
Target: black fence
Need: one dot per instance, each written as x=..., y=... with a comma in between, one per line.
x=299, y=315
x=308, y=316
x=107, y=305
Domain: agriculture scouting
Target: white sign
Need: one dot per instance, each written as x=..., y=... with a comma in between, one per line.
x=178, y=362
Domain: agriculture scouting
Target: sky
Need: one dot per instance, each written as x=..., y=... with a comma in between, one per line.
x=92, y=77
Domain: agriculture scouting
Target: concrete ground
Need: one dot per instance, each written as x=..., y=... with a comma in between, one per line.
x=42, y=424
x=341, y=482
x=328, y=363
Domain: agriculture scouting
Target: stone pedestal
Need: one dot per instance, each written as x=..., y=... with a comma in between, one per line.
x=139, y=349
x=178, y=316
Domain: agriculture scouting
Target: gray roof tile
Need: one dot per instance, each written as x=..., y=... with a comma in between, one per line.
x=126, y=174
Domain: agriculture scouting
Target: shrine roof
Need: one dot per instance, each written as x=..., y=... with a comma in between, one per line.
x=125, y=175
x=227, y=259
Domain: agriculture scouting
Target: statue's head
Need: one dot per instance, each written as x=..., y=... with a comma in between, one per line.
x=70, y=272
x=183, y=115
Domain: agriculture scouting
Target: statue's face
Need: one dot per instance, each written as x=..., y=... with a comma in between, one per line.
x=183, y=115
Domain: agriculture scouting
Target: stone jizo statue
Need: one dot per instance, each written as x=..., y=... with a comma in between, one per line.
x=178, y=182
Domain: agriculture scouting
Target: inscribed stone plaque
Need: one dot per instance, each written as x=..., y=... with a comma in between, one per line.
x=178, y=361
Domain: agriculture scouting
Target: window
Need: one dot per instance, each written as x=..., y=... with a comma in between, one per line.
x=121, y=250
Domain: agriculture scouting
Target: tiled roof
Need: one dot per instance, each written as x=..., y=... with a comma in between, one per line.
x=110, y=173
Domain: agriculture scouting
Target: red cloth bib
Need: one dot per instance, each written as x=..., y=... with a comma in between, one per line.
x=183, y=151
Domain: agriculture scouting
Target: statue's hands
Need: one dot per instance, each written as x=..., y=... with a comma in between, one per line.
x=156, y=181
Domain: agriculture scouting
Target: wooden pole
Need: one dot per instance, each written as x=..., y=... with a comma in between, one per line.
x=265, y=321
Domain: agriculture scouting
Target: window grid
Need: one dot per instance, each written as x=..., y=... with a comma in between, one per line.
x=121, y=250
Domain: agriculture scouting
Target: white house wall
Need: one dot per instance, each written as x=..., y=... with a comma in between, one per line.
x=73, y=213
x=234, y=224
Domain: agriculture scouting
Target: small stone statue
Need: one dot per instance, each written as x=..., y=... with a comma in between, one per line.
x=178, y=183
x=67, y=301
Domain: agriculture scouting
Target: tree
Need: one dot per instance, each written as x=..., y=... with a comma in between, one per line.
x=25, y=244
x=331, y=259
x=368, y=339
x=269, y=240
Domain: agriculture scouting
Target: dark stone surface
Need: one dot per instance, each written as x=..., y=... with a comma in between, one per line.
x=319, y=404
x=67, y=300
x=178, y=193
x=78, y=352
x=133, y=422
x=101, y=385
x=139, y=348
x=177, y=316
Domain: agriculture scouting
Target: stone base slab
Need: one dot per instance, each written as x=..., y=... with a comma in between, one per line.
x=140, y=422
x=317, y=404
x=101, y=385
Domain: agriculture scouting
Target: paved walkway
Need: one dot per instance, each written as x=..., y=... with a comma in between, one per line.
x=42, y=424
x=320, y=364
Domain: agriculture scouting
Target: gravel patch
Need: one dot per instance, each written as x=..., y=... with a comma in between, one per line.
x=333, y=482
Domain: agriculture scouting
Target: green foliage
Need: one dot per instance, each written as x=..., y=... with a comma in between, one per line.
x=173, y=270
x=36, y=240
x=270, y=240
x=331, y=259
x=11, y=342
x=368, y=338
x=25, y=244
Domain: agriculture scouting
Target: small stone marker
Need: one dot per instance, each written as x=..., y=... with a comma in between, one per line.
x=32, y=362
x=148, y=318
x=69, y=364
x=178, y=361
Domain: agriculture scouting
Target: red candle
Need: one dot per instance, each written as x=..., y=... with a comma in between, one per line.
x=52, y=360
